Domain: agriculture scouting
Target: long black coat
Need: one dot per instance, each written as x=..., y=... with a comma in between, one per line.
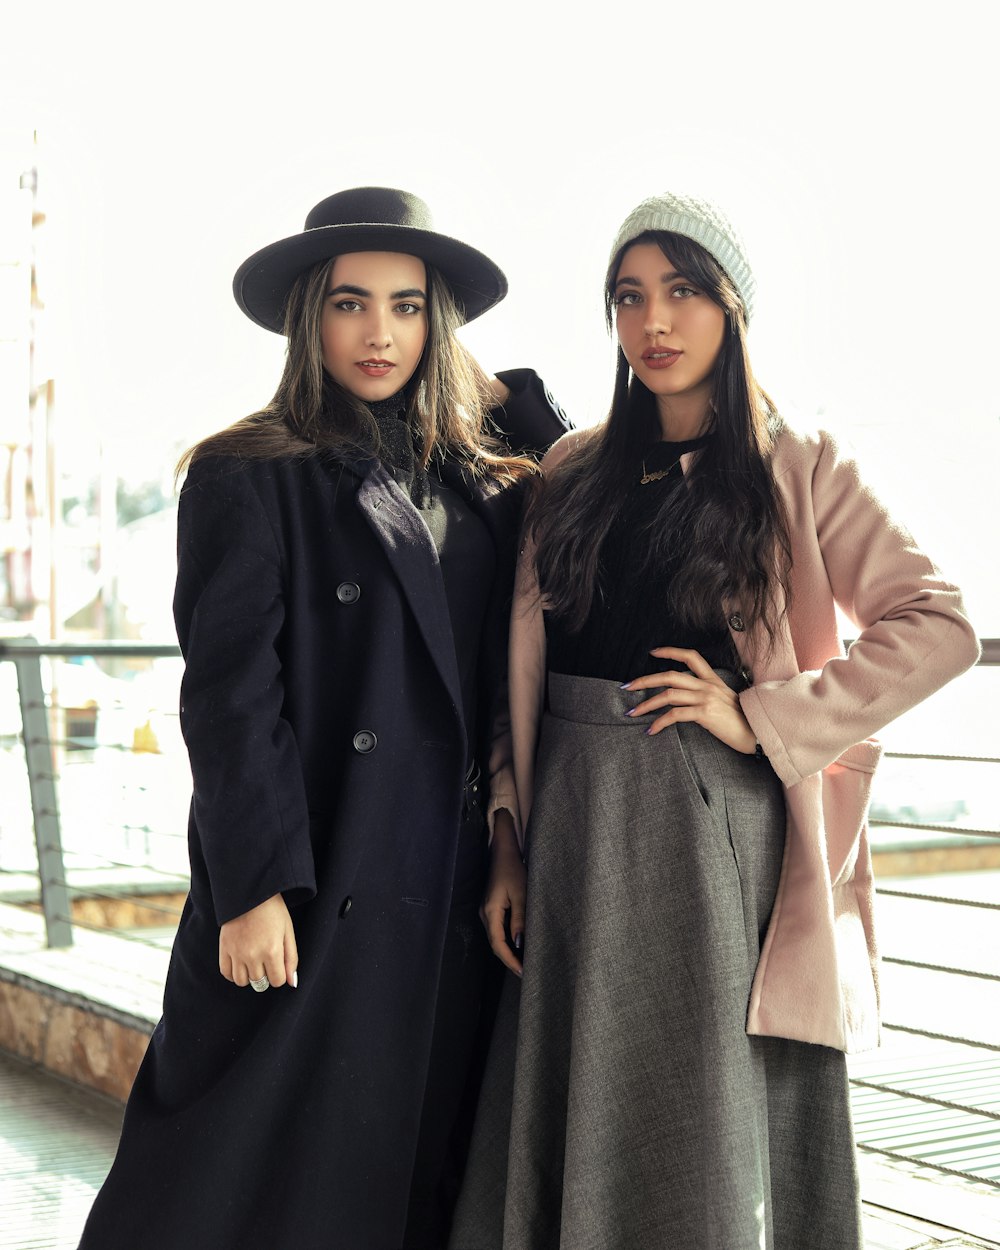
x=323, y=715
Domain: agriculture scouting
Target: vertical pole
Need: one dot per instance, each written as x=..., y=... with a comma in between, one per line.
x=44, y=807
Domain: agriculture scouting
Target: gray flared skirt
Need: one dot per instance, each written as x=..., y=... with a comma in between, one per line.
x=624, y=1105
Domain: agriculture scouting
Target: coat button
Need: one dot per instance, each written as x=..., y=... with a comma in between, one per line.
x=348, y=592
x=736, y=623
x=365, y=741
x=345, y=907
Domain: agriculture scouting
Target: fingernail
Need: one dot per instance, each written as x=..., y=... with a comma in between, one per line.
x=295, y=980
x=625, y=686
x=649, y=731
x=632, y=711
x=518, y=941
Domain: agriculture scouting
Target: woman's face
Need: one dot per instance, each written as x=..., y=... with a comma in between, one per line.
x=374, y=323
x=671, y=333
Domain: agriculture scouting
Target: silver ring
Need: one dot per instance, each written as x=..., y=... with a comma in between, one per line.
x=261, y=984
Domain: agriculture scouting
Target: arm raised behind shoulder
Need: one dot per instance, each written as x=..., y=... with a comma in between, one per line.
x=527, y=415
x=914, y=633
x=249, y=801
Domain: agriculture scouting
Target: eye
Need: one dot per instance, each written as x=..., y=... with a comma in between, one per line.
x=628, y=299
x=409, y=310
x=684, y=292
x=348, y=305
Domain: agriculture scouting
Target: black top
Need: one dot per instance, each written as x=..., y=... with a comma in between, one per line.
x=631, y=612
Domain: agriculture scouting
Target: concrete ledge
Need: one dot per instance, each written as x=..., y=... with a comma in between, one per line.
x=84, y=1012
x=89, y=1050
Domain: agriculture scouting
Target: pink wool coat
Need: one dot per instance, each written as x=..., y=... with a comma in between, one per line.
x=814, y=710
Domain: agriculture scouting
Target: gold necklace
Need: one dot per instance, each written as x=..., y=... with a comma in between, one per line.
x=657, y=475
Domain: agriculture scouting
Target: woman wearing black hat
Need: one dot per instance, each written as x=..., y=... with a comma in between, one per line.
x=344, y=563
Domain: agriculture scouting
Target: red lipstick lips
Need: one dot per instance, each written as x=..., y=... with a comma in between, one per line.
x=660, y=357
x=374, y=368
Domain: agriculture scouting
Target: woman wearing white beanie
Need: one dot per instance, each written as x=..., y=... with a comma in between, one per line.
x=694, y=748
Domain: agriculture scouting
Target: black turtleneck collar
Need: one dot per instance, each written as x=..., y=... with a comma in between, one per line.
x=396, y=443
x=397, y=446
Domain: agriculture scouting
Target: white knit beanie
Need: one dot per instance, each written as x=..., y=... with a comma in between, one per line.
x=699, y=220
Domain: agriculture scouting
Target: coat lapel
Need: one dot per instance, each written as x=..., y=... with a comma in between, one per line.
x=411, y=553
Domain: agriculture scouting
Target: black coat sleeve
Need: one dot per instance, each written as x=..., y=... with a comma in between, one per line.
x=532, y=418
x=249, y=805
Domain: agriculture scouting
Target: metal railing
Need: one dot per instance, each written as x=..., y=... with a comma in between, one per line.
x=41, y=743
x=927, y=1101
x=902, y=1094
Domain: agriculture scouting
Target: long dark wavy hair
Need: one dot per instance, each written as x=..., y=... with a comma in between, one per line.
x=726, y=536
x=448, y=397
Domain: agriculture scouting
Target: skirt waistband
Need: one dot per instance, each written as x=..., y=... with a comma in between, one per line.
x=596, y=701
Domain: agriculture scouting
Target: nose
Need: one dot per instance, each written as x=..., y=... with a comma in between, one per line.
x=657, y=318
x=379, y=333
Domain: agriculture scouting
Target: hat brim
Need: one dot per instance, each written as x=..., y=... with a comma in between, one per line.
x=262, y=282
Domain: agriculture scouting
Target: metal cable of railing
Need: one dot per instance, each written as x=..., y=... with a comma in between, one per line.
x=958, y=830
x=913, y=1031
x=888, y=892
x=153, y=833
x=975, y=1177
x=933, y=1102
x=949, y=759
x=134, y=900
x=169, y=874
x=958, y=972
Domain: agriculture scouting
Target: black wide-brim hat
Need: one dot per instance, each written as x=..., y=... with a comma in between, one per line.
x=365, y=219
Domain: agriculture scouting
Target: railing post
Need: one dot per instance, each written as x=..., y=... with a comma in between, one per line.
x=44, y=805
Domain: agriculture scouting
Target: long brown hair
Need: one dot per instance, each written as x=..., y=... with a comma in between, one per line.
x=726, y=534
x=449, y=396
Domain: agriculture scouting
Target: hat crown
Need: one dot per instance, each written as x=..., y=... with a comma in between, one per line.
x=377, y=206
x=696, y=219
x=365, y=219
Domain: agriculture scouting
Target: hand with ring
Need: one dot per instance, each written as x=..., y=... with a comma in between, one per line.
x=258, y=948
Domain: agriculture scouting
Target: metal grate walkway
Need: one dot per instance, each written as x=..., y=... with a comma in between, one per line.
x=57, y=1142
x=931, y=1103
x=56, y=1146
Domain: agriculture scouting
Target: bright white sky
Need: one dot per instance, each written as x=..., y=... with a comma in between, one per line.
x=855, y=144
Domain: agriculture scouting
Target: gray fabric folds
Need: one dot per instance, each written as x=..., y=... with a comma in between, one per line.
x=625, y=1107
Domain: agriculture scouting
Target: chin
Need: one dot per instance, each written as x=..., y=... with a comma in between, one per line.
x=664, y=386
x=374, y=388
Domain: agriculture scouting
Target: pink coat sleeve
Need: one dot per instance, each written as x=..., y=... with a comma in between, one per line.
x=513, y=755
x=914, y=634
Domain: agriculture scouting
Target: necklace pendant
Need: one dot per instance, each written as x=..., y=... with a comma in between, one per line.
x=653, y=477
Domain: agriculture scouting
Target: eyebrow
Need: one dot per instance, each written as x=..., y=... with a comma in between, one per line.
x=346, y=289
x=665, y=277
